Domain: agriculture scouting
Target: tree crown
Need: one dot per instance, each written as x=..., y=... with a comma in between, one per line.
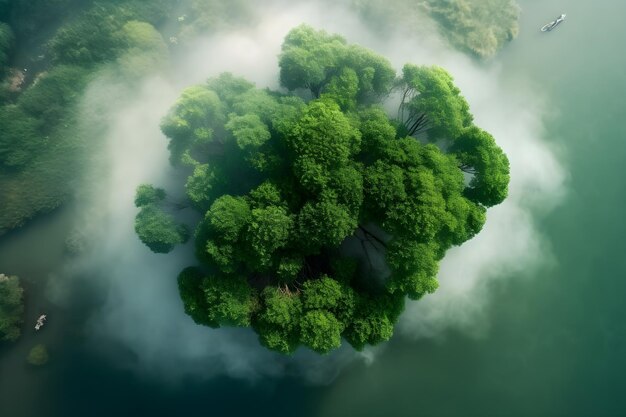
x=320, y=215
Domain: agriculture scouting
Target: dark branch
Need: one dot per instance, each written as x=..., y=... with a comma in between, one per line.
x=403, y=104
x=373, y=236
x=420, y=124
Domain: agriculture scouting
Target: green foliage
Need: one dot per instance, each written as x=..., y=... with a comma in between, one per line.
x=192, y=121
x=325, y=63
x=374, y=319
x=268, y=230
x=144, y=49
x=329, y=294
x=92, y=39
x=323, y=293
x=480, y=27
x=324, y=223
x=19, y=138
x=249, y=131
x=288, y=268
x=38, y=355
x=479, y=154
x=278, y=322
x=53, y=93
x=415, y=268
x=46, y=181
x=217, y=300
x=42, y=148
x=324, y=136
x=191, y=291
x=285, y=187
x=158, y=230
x=228, y=217
x=200, y=184
x=11, y=308
x=432, y=103
x=230, y=300
x=321, y=331
x=147, y=194
x=109, y=29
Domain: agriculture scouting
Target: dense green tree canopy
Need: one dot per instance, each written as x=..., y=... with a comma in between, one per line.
x=324, y=63
x=68, y=43
x=153, y=224
x=288, y=186
x=431, y=102
x=11, y=308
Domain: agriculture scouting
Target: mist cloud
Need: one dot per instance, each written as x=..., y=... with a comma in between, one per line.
x=142, y=312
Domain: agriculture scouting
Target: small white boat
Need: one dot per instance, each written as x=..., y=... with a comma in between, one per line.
x=40, y=321
x=549, y=26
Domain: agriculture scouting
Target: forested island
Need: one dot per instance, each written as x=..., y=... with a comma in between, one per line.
x=304, y=194
x=320, y=211
x=479, y=27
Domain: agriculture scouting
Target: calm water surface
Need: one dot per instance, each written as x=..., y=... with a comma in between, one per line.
x=557, y=340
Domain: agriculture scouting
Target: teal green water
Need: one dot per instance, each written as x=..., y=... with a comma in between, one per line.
x=556, y=341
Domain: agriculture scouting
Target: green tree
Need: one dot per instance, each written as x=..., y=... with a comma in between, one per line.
x=55, y=91
x=94, y=38
x=191, y=291
x=158, y=230
x=20, y=139
x=318, y=61
x=278, y=322
x=144, y=49
x=432, y=103
x=287, y=188
x=373, y=319
x=229, y=299
x=480, y=156
x=269, y=230
x=321, y=331
x=147, y=194
x=193, y=120
x=155, y=227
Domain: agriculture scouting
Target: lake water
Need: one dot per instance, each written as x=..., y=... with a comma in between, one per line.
x=556, y=343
